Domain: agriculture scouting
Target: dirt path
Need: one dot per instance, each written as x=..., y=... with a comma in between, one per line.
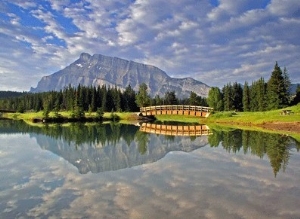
x=282, y=126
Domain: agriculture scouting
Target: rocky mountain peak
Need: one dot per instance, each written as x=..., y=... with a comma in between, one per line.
x=84, y=57
x=98, y=69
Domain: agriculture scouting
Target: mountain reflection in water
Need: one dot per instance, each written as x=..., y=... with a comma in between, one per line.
x=108, y=147
x=238, y=174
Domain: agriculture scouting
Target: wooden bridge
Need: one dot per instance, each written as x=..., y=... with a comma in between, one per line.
x=199, y=111
x=176, y=130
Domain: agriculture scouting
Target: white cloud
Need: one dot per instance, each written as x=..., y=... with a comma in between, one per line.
x=26, y=4
x=184, y=38
x=287, y=8
x=59, y=5
x=227, y=8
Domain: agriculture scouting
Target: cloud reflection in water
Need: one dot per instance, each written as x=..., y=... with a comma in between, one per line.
x=205, y=183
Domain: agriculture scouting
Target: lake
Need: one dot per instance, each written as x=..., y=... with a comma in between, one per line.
x=120, y=171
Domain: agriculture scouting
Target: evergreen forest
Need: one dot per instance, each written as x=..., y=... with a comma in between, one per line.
x=82, y=99
x=261, y=95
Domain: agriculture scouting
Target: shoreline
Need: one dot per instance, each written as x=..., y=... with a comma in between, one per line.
x=282, y=126
x=268, y=125
x=248, y=121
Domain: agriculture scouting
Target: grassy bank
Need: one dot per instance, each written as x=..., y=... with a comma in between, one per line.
x=28, y=116
x=270, y=121
x=243, y=118
x=285, y=124
x=238, y=118
x=256, y=118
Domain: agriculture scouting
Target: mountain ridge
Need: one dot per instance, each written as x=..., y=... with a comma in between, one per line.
x=98, y=69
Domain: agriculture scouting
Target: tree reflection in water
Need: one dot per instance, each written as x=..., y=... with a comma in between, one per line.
x=143, y=140
x=275, y=146
x=101, y=146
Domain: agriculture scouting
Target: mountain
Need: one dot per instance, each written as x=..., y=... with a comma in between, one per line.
x=293, y=89
x=99, y=70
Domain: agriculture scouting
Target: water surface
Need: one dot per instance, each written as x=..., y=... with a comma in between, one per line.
x=118, y=171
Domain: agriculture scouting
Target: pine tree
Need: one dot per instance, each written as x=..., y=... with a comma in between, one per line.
x=215, y=99
x=253, y=97
x=170, y=98
x=227, y=97
x=70, y=97
x=129, y=100
x=258, y=95
x=157, y=100
x=261, y=94
x=246, y=97
x=103, y=93
x=116, y=99
x=237, y=97
x=142, y=97
x=193, y=99
x=93, y=99
x=276, y=89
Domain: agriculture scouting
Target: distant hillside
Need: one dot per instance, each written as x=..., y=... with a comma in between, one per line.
x=99, y=70
x=7, y=94
x=293, y=88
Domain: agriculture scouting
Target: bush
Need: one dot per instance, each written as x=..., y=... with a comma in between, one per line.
x=223, y=114
x=114, y=117
x=78, y=113
x=99, y=113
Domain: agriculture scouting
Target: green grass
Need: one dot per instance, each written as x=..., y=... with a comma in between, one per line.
x=28, y=116
x=256, y=118
x=240, y=117
x=122, y=115
x=178, y=118
x=23, y=116
x=253, y=120
x=243, y=120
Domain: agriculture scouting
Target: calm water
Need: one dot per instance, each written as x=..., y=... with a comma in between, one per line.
x=117, y=171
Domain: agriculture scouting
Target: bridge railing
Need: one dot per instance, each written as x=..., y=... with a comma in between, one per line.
x=177, y=107
x=176, y=130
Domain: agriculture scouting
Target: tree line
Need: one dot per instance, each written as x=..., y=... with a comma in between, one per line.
x=261, y=95
x=82, y=99
x=7, y=94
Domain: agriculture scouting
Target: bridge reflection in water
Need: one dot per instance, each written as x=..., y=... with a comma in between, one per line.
x=176, y=130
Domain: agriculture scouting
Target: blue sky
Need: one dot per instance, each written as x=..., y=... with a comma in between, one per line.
x=214, y=41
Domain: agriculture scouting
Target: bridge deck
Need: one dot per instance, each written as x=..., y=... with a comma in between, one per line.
x=200, y=111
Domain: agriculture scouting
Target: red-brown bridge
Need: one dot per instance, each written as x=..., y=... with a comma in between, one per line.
x=199, y=111
x=176, y=130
